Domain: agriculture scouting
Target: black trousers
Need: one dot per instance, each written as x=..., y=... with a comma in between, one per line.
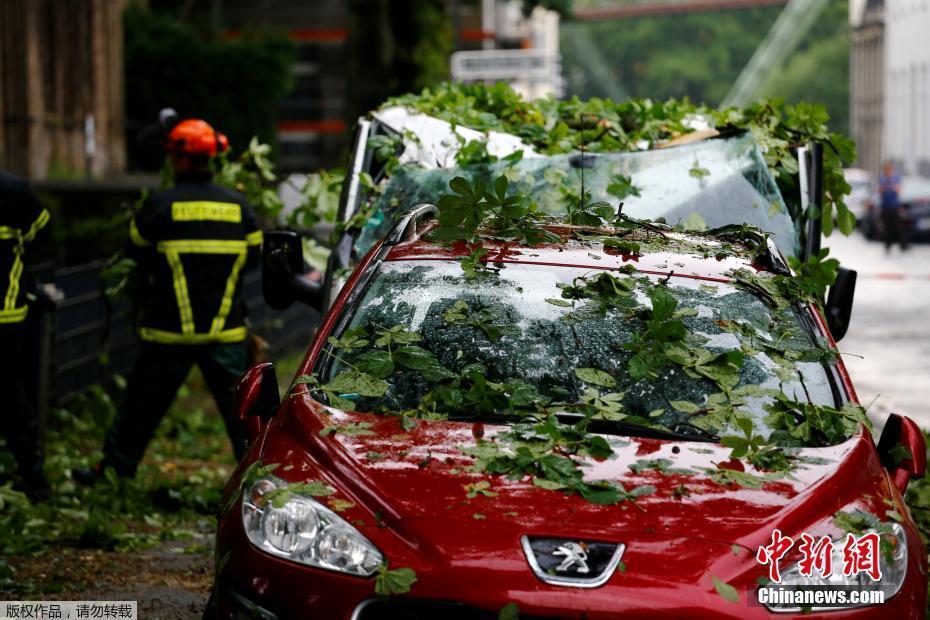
x=152, y=386
x=18, y=417
x=894, y=229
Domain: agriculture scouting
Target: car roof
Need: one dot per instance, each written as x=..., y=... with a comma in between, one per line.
x=915, y=188
x=665, y=252
x=857, y=174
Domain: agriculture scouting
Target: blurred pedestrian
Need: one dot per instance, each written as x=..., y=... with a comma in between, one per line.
x=23, y=222
x=894, y=223
x=191, y=244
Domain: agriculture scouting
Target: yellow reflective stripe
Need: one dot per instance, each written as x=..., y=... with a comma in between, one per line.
x=199, y=210
x=219, y=321
x=13, y=316
x=6, y=232
x=203, y=246
x=135, y=236
x=236, y=334
x=37, y=225
x=12, y=291
x=254, y=238
x=180, y=292
x=172, y=250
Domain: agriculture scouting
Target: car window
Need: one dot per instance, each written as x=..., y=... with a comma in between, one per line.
x=914, y=189
x=710, y=183
x=519, y=327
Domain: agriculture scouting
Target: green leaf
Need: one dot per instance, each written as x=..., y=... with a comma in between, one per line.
x=482, y=487
x=395, y=581
x=628, y=247
x=500, y=186
x=663, y=303
x=697, y=172
x=473, y=263
x=900, y=453
x=621, y=186
x=280, y=496
x=340, y=505
x=355, y=382
x=355, y=428
x=694, y=222
x=595, y=376
x=684, y=406
x=603, y=495
x=379, y=364
x=355, y=338
x=725, y=590
x=510, y=611
x=395, y=335
x=304, y=380
x=415, y=357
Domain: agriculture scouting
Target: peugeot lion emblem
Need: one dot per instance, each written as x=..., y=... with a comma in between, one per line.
x=572, y=562
x=575, y=555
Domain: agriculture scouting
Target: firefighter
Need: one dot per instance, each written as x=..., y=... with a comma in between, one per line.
x=191, y=243
x=23, y=221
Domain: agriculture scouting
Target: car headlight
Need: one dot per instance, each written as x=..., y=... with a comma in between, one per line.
x=300, y=529
x=893, y=558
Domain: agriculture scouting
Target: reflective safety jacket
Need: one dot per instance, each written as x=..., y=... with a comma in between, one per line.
x=22, y=219
x=192, y=243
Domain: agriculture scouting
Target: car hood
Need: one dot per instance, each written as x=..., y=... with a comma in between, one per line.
x=421, y=474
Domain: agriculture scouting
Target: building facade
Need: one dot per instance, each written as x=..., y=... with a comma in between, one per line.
x=906, y=138
x=890, y=89
x=344, y=49
x=867, y=77
x=498, y=42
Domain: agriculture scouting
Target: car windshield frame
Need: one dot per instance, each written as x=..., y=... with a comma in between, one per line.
x=689, y=185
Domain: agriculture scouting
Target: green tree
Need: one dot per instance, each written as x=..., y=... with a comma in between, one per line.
x=397, y=46
x=819, y=71
x=696, y=55
x=700, y=55
x=235, y=85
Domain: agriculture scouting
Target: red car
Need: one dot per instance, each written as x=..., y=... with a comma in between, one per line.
x=406, y=476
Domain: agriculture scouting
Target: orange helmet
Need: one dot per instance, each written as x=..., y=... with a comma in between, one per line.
x=195, y=137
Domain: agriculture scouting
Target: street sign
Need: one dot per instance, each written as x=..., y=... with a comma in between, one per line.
x=520, y=64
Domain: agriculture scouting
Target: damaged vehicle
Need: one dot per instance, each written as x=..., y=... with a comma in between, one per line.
x=506, y=414
x=403, y=158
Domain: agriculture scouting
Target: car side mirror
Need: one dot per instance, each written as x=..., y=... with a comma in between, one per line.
x=257, y=398
x=284, y=280
x=902, y=450
x=840, y=302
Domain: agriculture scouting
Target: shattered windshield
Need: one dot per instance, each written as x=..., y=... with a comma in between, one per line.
x=703, y=185
x=619, y=345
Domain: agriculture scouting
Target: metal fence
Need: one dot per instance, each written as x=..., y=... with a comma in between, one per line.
x=85, y=339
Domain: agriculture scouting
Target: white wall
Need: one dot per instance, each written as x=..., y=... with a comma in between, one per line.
x=907, y=84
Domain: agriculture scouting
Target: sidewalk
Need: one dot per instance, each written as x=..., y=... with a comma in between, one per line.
x=890, y=326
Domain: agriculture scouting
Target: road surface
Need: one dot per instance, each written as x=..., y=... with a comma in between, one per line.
x=887, y=348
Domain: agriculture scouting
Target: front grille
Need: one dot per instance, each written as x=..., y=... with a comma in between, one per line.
x=412, y=609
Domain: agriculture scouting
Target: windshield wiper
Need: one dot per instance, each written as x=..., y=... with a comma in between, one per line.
x=631, y=429
x=683, y=431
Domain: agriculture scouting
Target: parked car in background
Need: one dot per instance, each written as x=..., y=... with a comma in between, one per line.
x=862, y=183
x=915, y=200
